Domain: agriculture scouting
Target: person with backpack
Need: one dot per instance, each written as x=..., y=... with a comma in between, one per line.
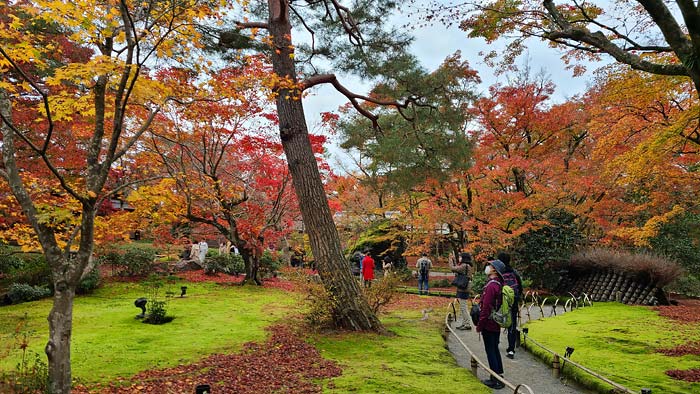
x=512, y=278
x=488, y=327
x=463, y=271
x=423, y=265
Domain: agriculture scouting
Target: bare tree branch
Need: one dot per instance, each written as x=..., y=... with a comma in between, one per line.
x=354, y=97
x=252, y=25
x=598, y=40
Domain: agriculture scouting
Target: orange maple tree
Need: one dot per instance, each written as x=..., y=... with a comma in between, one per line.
x=77, y=92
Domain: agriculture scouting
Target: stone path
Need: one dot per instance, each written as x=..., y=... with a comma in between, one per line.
x=524, y=368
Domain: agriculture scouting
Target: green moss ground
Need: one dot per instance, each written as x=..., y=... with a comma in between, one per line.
x=108, y=341
x=412, y=360
x=620, y=342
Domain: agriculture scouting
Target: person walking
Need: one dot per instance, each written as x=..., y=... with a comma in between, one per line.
x=423, y=265
x=368, y=270
x=512, y=278
x=194, y=251
x=203, y=249
x=489, y=329
x=462, y=270
x=387, y=265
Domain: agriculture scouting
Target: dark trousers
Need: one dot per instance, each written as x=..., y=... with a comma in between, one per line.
x=492, y=353
x=513, y=329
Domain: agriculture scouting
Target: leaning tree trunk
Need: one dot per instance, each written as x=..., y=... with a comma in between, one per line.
x=351, y=308
x=58, y=347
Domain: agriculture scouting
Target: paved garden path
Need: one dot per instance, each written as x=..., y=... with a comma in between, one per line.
x=524, y=368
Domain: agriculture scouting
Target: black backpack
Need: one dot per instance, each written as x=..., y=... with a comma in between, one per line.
x=423, y=270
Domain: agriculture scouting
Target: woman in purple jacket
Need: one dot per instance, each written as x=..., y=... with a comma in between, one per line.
x=489, y=329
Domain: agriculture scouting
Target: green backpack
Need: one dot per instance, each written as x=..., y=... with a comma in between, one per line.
x=501, y=315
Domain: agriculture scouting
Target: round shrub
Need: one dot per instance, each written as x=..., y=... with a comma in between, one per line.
x=136, y=262
x=231, y=264
x=22, y=292
x=34, y=271
x=90, y=282
x=269, y=263
x=9, y=262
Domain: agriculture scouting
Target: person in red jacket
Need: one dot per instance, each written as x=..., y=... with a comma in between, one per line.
x=368, y=269
x=489, y=329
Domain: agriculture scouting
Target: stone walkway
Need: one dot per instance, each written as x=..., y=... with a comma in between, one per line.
x=524, y=368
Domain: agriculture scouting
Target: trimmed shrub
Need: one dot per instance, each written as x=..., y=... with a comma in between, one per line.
x=135, y=262
x=688, y=285
x=90, y=282
x=540, y=250
x=22, y=292
x=34, y=271
x=269, y=263
x=9, y=262
x=231, y=264
x=111, y=258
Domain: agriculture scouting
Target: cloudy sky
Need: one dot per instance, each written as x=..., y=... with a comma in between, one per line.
x=434, y=43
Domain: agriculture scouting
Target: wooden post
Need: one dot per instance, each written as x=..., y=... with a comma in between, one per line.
x=474, y=365
x=556, y=369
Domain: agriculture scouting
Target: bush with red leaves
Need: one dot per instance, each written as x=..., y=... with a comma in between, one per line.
x=284, y=364
x=682, y=350
x=689, y=375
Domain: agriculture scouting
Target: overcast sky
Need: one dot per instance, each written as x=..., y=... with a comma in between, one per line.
x=432, y=44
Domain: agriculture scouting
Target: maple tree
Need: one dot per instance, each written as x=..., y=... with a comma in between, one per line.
x=76, y=95
x=225, y=167
x=654, y=36
x=526, y=154
x=645, y=162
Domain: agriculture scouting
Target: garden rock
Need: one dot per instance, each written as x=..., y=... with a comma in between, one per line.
x=187, y=265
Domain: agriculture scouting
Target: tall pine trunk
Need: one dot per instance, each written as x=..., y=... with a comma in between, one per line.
x=351, y=308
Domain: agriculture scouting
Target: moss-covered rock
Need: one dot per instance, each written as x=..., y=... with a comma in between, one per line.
x=382, y=238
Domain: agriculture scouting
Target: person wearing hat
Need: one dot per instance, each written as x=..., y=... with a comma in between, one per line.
x=489, y=329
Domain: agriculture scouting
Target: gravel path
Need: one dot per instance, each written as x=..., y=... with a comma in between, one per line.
x=524, y=368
